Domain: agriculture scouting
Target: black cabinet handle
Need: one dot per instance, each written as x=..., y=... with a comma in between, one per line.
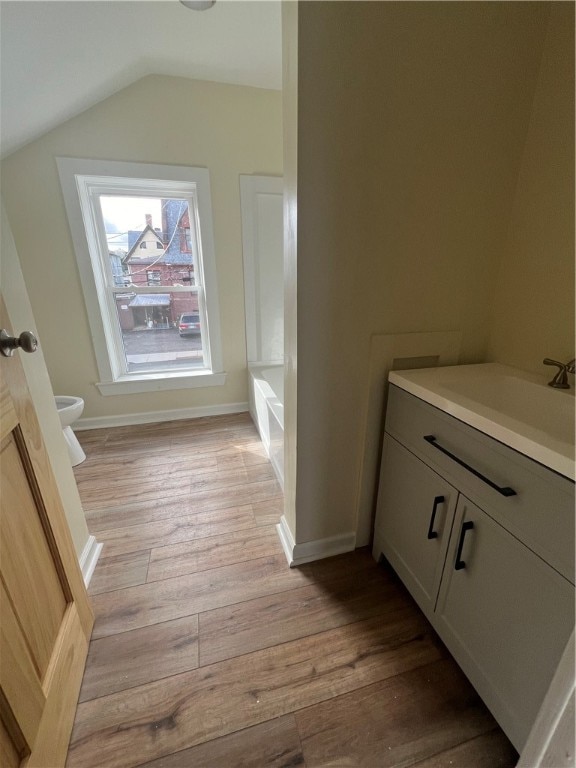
x=460, y=564
x=503, y=491
x=432, y=534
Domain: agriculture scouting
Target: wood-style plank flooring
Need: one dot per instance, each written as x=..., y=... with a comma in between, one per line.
x=209, y=652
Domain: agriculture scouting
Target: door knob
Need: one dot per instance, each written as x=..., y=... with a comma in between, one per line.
x=9, y=344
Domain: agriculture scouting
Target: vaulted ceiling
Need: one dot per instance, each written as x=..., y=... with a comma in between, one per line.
x=60, y=58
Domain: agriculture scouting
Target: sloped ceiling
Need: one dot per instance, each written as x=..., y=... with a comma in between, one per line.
x=60, y=58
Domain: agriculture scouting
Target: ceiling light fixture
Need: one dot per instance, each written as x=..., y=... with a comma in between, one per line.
x=198, y=5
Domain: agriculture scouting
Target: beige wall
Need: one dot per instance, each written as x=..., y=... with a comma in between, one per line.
x=228, y=129
x=290, y=131
x=22, y=317
x=533, y=314
x=412, y=118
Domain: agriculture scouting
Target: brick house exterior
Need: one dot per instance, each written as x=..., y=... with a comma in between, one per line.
x=162, y=257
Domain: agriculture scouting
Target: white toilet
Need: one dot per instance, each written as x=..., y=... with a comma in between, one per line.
x=69, y=410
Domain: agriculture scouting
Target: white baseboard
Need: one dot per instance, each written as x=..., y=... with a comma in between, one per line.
x=298, y=554
x=286, y=539
x=154, y=417
x=89, y=558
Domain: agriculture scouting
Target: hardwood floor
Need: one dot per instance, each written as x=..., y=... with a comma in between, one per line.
x=209, y=652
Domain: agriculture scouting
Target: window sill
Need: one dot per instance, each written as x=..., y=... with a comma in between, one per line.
x=156, y=382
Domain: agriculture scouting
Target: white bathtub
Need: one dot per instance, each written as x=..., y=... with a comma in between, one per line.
x=267, y=410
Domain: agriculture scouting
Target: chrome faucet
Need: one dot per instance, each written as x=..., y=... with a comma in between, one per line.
x=560, y=380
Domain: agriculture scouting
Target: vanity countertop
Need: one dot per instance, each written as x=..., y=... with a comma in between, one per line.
x=514, y=407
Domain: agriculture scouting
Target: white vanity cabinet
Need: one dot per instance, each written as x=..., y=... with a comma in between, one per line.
x=415, y=529
x=496, y=582
x=505, y=615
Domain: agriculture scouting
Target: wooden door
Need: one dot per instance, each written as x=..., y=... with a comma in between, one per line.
x=45, y=615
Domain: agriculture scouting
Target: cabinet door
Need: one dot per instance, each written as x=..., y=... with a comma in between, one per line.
x=413, y=520
x=505, y=615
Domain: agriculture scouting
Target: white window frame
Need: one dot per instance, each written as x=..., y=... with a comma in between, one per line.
x=83, y=181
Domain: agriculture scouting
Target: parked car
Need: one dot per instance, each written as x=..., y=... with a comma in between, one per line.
x=189, y=325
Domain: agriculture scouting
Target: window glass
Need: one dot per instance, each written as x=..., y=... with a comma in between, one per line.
x=153, y=276
x=142, y=223
x=160, y=331
x=152, y=338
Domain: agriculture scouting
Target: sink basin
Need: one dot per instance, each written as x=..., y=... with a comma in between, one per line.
x=517, y=408
x=535, y=404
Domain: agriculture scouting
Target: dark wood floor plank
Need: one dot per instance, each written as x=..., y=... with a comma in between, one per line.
x=175, y=530
x=213, y=552
x=130, y=727
x=119, y=571
x=195, y=592
x=353, y=564
x=334, y=645
x=397, y=722
x=129, y=513
x=133, y=658
x=322, y=605
x=490, y=750
x=273, y=744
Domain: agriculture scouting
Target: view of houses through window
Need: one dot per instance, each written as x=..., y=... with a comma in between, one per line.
x=154, y=276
